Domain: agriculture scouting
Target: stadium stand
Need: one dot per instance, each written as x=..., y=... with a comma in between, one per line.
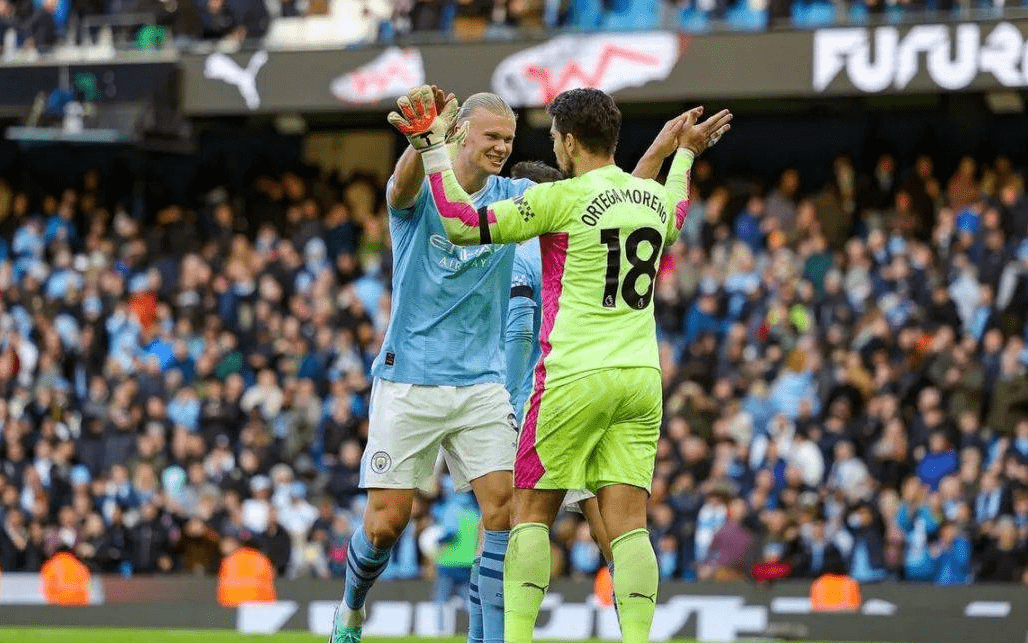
x=97, y=28
x=844, y=374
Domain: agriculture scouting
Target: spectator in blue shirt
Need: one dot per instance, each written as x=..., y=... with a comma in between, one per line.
x=867, y=555
x=794, y=387
x=703, y=317
x=919, y=520
x=61, y=226
x=749, y=224
x=939, y=462
x=952, y=556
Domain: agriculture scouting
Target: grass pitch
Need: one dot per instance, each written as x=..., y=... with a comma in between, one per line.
x=103, y=635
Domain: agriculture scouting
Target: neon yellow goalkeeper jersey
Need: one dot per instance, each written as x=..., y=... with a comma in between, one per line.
x=601, y=236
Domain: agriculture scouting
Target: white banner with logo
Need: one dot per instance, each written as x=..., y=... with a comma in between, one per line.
x=389, y=75
x=875, y=60
x=534, y=76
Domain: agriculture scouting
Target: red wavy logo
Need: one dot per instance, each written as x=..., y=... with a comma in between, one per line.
x=374, y=81
x=379, y=79
x=574, y=71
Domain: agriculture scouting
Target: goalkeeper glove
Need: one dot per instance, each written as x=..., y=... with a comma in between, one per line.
x=418, y=120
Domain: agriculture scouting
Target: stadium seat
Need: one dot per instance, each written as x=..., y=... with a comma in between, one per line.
x=895, y=13
x=632, y=15
x=813, y=14
x=743, y=18
x=585, y=14
x=858, y=13
x=694, y=20
x=821, y=13
x=984, y=9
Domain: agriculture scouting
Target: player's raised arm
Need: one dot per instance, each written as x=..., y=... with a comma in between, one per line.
x=409, y=174
x=693, y=140
x=662, y=147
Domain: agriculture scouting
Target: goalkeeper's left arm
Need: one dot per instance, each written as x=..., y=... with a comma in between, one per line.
x=464, y=224
x=533, y=213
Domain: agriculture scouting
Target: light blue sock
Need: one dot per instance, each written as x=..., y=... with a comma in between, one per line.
x=490, y=585
x=474, y=606
x=364, y=564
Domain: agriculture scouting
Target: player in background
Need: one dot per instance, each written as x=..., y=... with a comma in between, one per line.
x=438, y=380
x=595, y=411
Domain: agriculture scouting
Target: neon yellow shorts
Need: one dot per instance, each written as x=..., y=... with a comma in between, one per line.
x=591, y=432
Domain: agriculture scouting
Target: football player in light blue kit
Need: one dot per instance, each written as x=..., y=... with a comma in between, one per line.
x=439, y=378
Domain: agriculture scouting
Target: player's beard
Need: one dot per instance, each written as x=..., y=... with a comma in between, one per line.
x=567, y=167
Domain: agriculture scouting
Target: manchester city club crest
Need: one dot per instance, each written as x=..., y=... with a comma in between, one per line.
x=380, y=462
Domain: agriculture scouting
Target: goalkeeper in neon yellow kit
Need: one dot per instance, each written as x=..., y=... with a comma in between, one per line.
x=594, y=415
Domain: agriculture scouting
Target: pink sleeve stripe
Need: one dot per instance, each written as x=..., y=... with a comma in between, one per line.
x=681, y=210
x=528, y=466
x=460, y=210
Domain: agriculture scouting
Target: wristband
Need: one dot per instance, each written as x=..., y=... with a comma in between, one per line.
x=436, y=159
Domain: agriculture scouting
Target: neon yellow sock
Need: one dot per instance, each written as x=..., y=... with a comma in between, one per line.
x=635, y=584
x=526, y=577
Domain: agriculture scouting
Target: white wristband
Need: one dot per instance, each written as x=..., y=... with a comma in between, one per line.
x=436, y=159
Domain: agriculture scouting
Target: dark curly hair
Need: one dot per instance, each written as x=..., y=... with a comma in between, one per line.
x=590, y=115
x=536, y=171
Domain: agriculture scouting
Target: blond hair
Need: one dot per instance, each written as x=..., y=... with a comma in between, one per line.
x=484, y=100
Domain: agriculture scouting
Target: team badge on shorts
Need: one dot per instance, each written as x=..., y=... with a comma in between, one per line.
x=380, y=462
x=513, y=421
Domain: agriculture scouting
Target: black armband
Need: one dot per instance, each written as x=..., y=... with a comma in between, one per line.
x=484, y=234
x=522, y=291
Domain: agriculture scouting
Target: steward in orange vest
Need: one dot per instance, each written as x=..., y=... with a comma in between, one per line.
x=65, y=580
x=603, y=587
x=835, y=593
x=246, y=575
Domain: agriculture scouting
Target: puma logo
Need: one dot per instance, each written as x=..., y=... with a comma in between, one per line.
x=219, y=66
x=542, y=588
x=651, y=598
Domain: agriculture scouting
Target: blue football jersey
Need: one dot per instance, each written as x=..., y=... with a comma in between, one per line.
x=523, y=324
x=449, y=304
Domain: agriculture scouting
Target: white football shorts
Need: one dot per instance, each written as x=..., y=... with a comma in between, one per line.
x=572, y=499
x=408, y=424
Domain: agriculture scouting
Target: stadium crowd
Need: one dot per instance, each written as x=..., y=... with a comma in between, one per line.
x=505, y=18
x=41, y=25
x=844, y=368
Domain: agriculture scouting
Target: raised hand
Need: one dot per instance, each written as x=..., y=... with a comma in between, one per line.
x=697, y=137
x=664, y=145
x=458, y=136
x=441, y=98
x=420, y=120
x=667, y=139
